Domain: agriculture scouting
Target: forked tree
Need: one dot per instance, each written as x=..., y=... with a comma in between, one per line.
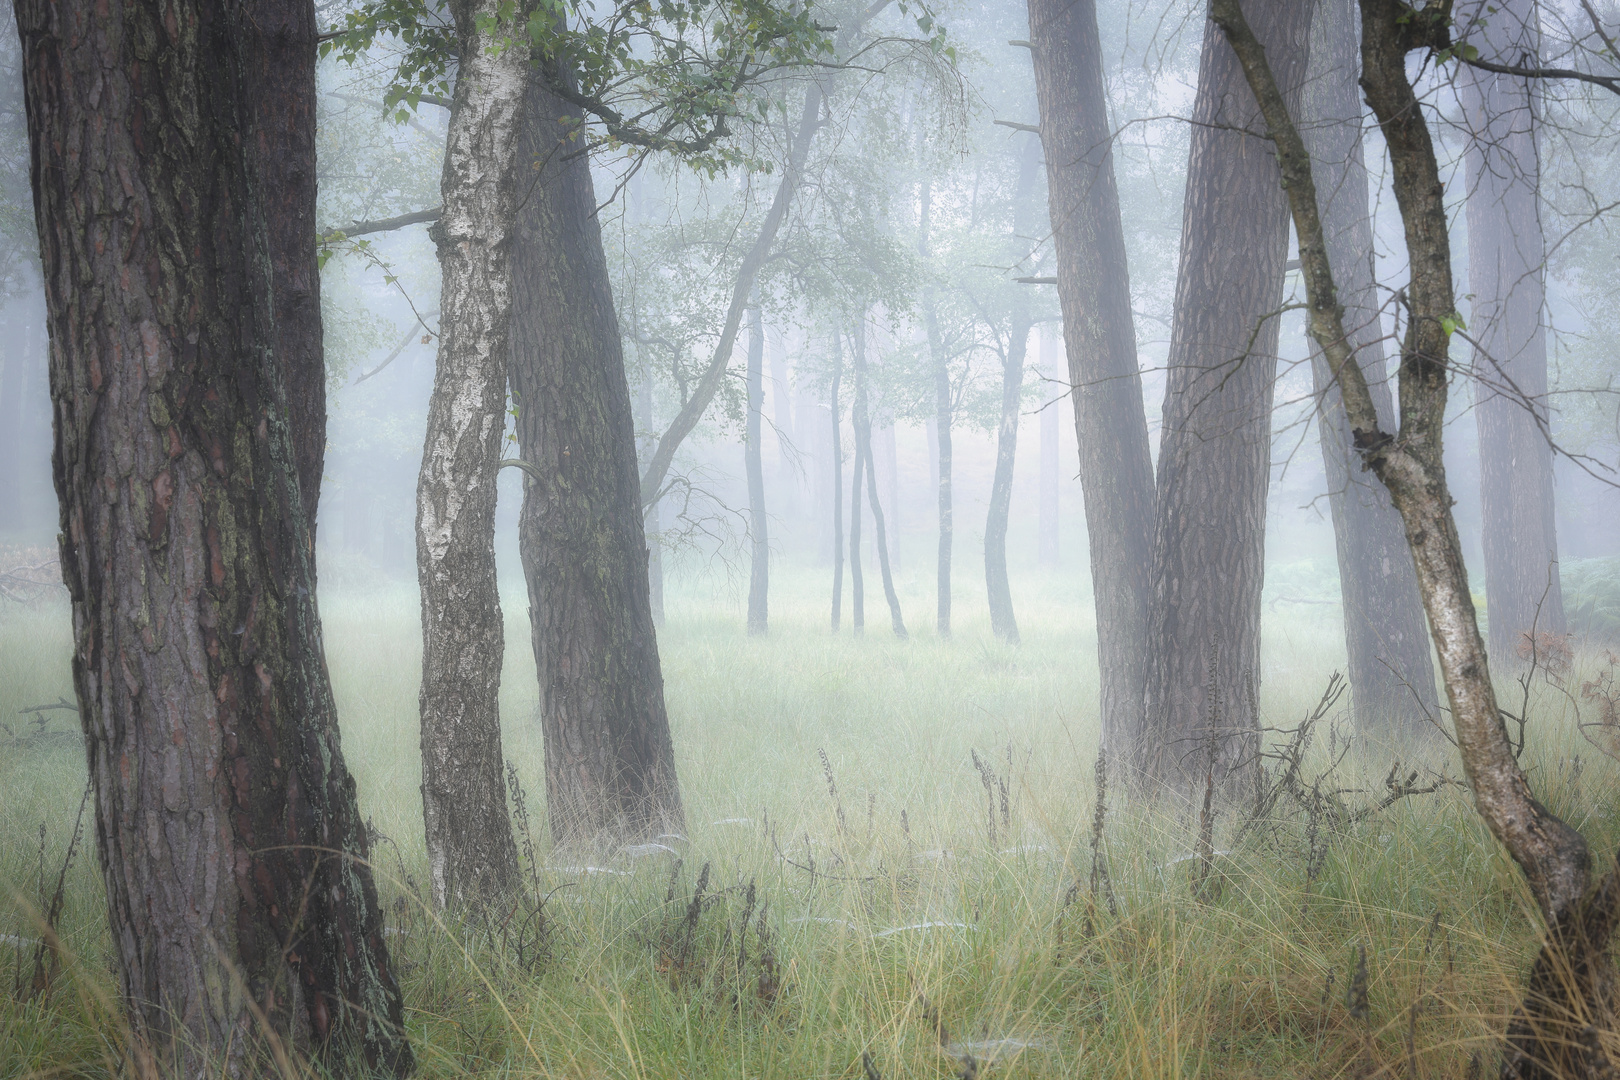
x=1567, y=1011
x=244, y=917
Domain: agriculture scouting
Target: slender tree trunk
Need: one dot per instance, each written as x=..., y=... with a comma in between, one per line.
x=759, y=579
x=943, y=409
x=1099, y=335
x=1047, y=547
x=232, y=850
x=1002, y=621
x=789, y=467
x=857, y=592
x=1507, y=275
x=861, y=421
x=654, y=517
x=1557, y=1031
x=471, y=856
x=1215, y=447
x=837, y=488
x=610, y=762
x=1391, y=676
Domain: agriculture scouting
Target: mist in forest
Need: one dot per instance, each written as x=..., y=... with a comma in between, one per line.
x=758, y=538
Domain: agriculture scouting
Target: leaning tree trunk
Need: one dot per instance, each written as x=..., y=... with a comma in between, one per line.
x=943, y=410
x=1391, y=675
x=1002, y=622
x=1507, y=275
x=234, y=855
x=1099, y=334
x=471, y=855
x=837, y=488
x=861, y=421
x=1558, y=1030
x=1215, y=444
x=759, y=578
x=610, y=762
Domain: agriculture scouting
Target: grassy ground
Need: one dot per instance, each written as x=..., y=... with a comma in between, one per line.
x=917, y=905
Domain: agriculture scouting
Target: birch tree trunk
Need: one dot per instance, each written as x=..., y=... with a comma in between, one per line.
x=241, y=904
x=1002, y=621
x=610, y=761
x=1507, y=275
x=1215, y=446
x=469, y=837
x=1391, y=675
x=1099, y=335
x=759, y=578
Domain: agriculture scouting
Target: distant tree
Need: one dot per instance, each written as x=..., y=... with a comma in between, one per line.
x=759, y=559
x=230, y=842
x=1215, y=444
x=469, y=835
x=1391, y=676
x=1507, y=277
x=1094, y=287
x=861, y=421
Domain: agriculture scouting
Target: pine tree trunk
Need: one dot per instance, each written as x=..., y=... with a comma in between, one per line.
x=610, y=762
x=1215, y=446
x=471, y=856
x=759, y=578
x=1002, y=621
x=1094, y=288
x=231, y=846
x=1047, y=547
x=861, y=421
x=1391, y=675
x=942, y=431
x=1507, y=275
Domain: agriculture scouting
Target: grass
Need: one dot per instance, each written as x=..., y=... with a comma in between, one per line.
x=916, y=921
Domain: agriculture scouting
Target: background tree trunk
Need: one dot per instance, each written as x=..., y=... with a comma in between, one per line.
x=1099, y=335
x=1047, y=543
x=653, y=518
x=1391, y=674
x=861, y=421
x=857, y=597
x=837, y=488
x=469, y=835
x=942, y=428
x=230, y=843
x=759, y=578
x=1215, y=445
x=610, y=762
x=1507, y=275
x=1002, y=622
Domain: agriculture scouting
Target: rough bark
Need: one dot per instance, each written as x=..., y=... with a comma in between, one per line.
x=1571, y=987
x=281, y=82
x=1215, y=446
x=837, y=488
x=1507, y=276
x=1094, y=288
x=610, y=762
x=1003, y=623
x=1047, y=544
x=943, y=410
x=759, y=577
x=1391, y=674
x=861, y=421
x=242, y=911
x=469, y=836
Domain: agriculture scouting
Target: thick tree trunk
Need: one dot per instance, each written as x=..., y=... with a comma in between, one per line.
x=943, y=410
x=610, y=762
x=1047, y=544
x=1215, y=446
x=232, y=850
x=1391, y=675
x=469, y=836
x=759, y=578
x=861, y=421
x=1099, y=335
x=1002, y=622
x=1507, y=276
x=1569, y=1001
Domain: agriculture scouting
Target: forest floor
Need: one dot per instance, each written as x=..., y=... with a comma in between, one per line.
x=895, y=844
